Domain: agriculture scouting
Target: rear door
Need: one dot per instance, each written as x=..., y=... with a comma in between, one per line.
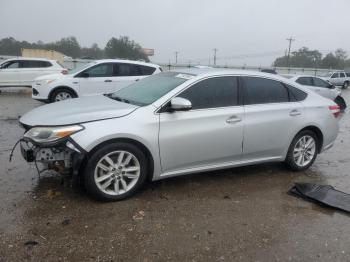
x=96, y=80
x=210, y=133
x=271, y=118
x=31, y=69
x=9, y=73
x=324, y=88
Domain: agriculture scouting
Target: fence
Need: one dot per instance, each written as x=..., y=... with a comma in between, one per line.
x=75, y=63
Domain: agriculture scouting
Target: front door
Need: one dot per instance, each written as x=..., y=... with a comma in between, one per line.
x=96, y=80
x=208, y=135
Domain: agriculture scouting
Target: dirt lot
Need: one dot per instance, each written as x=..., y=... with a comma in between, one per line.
x=241, y=214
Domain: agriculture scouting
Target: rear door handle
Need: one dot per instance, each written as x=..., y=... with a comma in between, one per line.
x=295, y=112
x=108, y=80
x=233, y=119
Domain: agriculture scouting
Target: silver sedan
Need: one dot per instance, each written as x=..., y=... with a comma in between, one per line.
x=177, y=123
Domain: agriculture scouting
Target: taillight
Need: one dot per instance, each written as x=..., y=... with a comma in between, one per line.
x=335, y=110
x=64, y=71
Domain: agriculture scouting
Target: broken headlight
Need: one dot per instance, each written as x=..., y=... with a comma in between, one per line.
x=51, y=134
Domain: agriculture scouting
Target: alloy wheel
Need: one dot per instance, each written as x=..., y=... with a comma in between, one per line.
x=62, y=96
x=304, y=150
x=117, y=172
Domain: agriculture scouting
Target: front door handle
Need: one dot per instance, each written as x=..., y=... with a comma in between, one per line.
x=295, y=112
x=108, y=80
x=233, y=119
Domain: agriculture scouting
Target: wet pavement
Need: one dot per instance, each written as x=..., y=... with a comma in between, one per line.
x=241, y=214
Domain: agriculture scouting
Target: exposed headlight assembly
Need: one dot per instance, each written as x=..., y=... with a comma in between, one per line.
x=51, y=134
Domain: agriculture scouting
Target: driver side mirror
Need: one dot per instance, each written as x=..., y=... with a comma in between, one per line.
x=180, y=104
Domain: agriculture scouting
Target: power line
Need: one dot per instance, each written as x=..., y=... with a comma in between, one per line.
x=291, y=39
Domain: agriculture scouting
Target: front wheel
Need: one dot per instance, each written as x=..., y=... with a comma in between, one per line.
x=346, y=85
x=115, y=172
x=61, y=94
x=303, y=151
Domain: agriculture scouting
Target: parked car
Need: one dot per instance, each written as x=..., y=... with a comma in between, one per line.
x=339, y=78
x=180, y=122
x=268, y=70
x=321, y=87
x=98, y=77
x=22, y=71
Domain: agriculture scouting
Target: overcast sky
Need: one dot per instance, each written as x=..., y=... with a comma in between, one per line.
x=251, y=32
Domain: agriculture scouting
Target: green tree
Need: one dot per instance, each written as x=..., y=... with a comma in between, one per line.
x=123, y=47
x=94, y=52
x=302, y=58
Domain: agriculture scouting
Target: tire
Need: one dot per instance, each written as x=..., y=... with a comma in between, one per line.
x=62, y=94
x=106, y=176
x=346, y=85
x=293, y=157
x=340, y=102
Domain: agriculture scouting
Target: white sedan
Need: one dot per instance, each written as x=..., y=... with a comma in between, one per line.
x=320, y=86
x=22, y=71
x=98, y=77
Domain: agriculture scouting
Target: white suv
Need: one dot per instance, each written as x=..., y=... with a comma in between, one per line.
x=22, y=71
x=98, y=77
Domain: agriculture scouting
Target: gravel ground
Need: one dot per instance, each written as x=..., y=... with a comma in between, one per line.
x=241, y=214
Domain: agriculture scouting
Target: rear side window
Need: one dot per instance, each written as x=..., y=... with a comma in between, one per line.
x=320, y=83
x=35, y=64
x=123, y=69
x=262, y=91
x=213, y=92
x=296, y=94
x=347, y=74
x=146, y=70
x=342, y=74
x=306, y=81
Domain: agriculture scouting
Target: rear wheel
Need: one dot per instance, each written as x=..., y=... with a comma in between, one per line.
x=62, y=94
x=115, y=172
x=303, y=151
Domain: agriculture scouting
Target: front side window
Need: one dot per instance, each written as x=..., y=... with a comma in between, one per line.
x=100, y=70
x=124, y=69
x=213, y=92
x=335, y=75
x=262, y=91
x=306, y=81
x=320, y=82
x=11, y=65
x=342, y=74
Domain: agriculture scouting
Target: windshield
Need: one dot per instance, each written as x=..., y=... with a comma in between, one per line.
x=150, y=89
x=81, y=67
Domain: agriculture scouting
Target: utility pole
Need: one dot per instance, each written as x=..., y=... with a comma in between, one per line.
x=176, y=53
x=215, y=50
x=290, y=40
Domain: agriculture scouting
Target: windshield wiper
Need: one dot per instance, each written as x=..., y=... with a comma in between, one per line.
x=118, y=98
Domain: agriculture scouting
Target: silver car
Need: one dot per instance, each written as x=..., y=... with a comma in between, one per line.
x=177, y=123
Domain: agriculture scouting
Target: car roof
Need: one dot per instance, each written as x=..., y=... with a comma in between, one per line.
x=202, y=72
x=125, y=61
x=29, y=58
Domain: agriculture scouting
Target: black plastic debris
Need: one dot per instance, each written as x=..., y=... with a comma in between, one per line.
x=322, y=194
x=31, y=243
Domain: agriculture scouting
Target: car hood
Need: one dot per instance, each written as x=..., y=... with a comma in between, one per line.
x=51, y=77
x=78, y=110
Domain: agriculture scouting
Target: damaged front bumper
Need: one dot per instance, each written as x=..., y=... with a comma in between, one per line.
x=65, y=157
